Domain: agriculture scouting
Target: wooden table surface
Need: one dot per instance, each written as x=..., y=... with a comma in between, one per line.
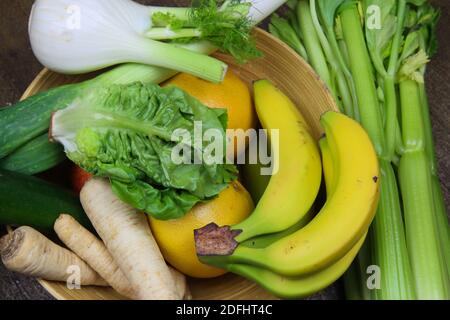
x=18, y=67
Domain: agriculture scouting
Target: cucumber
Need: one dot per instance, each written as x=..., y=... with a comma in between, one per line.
x=30, y=118
x=29, y=201
x=34, y=157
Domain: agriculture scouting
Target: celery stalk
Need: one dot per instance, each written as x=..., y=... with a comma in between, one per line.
x=391, y=94
x=342, y=87
x=431, y=278
x=282, y=29
x=363, y=261
x=387, y=242
x=414, y=259
x=351, y=283
x=440, y=209
x=312, y=43
x=442, y=222
x=362, y=71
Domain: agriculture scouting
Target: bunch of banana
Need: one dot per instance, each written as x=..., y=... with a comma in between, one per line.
x=298, y=168
x=281, y=246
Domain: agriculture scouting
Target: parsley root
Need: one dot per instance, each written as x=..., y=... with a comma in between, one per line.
x=126, y=234
x=29, y=252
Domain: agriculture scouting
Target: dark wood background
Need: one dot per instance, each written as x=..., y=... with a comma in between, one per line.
x=18, y=67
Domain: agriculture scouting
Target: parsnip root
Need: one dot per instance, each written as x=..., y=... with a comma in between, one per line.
x=94, y=252
x=181, y=284
x=29, y=252
x=89, y=248
x=126, y=234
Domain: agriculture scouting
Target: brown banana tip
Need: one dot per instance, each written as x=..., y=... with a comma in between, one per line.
x=213, y=240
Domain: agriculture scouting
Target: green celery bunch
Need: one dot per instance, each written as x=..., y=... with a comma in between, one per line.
x=388, y=243
x=376, y=74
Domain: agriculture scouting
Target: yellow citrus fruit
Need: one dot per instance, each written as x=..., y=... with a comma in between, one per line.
x=232, y=94
x=176, y=237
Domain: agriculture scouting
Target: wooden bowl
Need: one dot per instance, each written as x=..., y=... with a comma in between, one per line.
x=293, y=76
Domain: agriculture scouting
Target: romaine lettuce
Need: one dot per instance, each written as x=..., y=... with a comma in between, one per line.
x=125, y=133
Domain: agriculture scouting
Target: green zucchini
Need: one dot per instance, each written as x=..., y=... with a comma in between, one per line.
x=29, y=201
x=34, y=157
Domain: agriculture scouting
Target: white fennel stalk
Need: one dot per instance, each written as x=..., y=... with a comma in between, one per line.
x=260, y=10
x=78, y=36
x=56, y=99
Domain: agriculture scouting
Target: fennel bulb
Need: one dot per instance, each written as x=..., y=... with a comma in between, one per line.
x=30, y=118
x=79, y=36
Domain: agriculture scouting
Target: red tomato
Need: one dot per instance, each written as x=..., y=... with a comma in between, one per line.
x=78, y=178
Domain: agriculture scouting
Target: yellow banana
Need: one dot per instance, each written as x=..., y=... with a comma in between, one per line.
x=328, y=166
x=293, y=189
x=254, y=181
x=298, y=287
x=268, y=239
x=303, y=286
x=340, y=224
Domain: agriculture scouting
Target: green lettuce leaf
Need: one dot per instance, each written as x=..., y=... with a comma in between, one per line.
x=125, y=133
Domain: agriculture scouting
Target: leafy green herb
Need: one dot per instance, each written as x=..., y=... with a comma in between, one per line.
x=428, y=20
x=228, y=27
x=411, y=68
x=168, y=20
x=410, y=45
x=223, y=23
